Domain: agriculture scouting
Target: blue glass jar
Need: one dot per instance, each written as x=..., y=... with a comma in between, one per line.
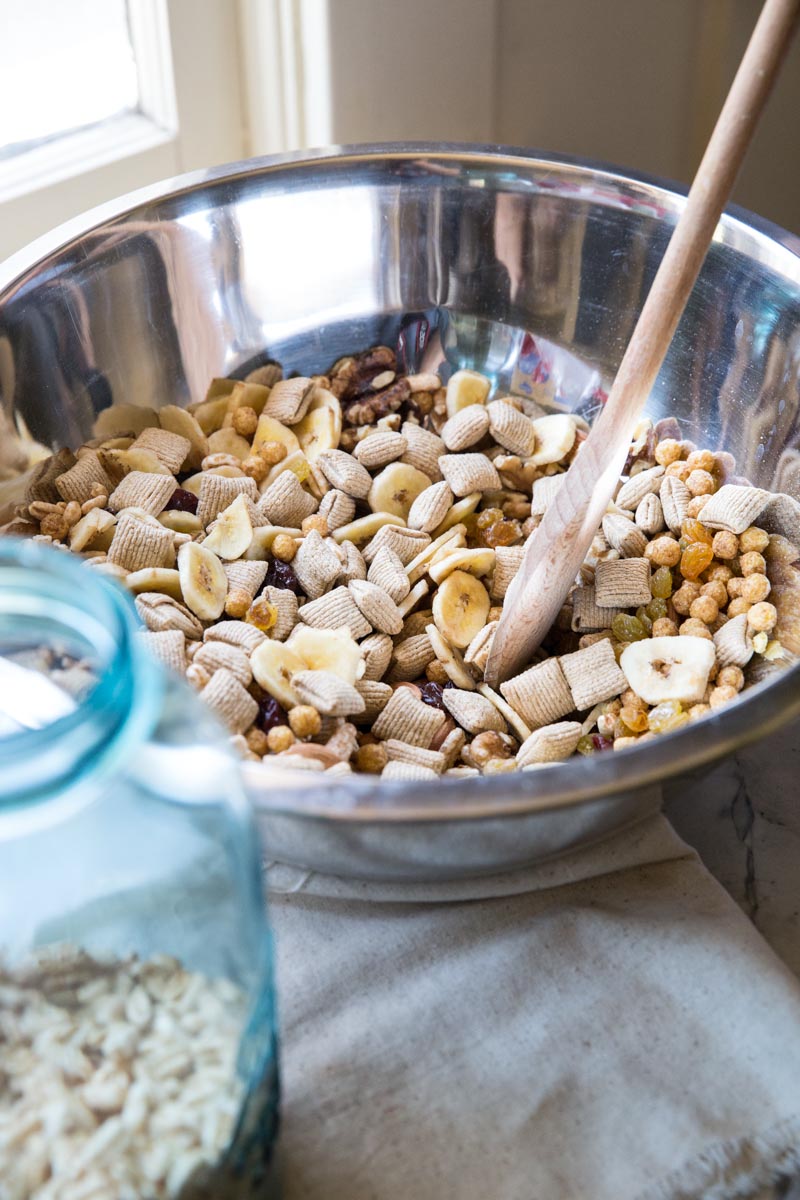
x=136, y=1006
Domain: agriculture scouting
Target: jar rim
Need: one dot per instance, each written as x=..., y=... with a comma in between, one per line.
x=45, y=589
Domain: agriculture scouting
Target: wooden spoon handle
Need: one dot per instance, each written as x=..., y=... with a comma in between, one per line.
x=557, y=548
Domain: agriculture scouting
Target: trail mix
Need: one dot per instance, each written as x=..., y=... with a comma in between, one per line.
x=325, y=560
x=117, y=1079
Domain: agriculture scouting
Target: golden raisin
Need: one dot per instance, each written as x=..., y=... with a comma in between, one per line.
x=695, y=558
x=666, y=716
x=656, y=609
x=627, y=628
x=502, y=533
x=693, y=531
x=489, y=516
x=661, y=583
x=634, y=719
x=262, y=614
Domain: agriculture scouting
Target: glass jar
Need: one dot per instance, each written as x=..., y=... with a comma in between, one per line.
x=137, y=1025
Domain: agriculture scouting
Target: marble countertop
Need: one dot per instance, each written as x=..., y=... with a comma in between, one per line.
x=743, y=818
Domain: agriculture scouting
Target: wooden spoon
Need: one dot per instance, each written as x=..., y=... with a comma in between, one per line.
x=557, y=548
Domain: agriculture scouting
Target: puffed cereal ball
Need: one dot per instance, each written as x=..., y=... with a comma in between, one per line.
x=753, y=563
x=717, y=590
x=762, y=617
x=695, y=628
x=731, y=677
x=280, y=738
x=667, y=452
x=701, y=460
x=722, y=695
x=755, y=588
x=738, y=606
x=304, y=721
x=664, y=627
x=663, y=551
x=700, y=483
x=705, y=609
x=753, y=538
x=725, y=544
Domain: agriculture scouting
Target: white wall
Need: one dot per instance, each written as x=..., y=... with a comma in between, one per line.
x=637, y=82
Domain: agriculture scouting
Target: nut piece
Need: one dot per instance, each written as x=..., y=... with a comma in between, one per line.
x=540, y=695
x=551, y=743
x=592, y=674
x=668, y=668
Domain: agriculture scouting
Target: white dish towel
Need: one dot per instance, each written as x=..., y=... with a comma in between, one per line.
x=607, y=1026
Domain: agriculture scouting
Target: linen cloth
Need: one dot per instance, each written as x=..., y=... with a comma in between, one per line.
x=604, y=1026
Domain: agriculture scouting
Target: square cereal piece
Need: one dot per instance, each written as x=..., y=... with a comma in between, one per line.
x=593, y=675
x=734, y=508
x=587, y=616
x=539, y=695
x=622, y=583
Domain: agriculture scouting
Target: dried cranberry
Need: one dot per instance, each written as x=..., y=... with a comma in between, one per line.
x=183, y=501
x=602, y=743
x=281, y=575
x=270, y=714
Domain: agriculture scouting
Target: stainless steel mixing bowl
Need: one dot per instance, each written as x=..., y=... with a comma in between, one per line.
x=528, y=267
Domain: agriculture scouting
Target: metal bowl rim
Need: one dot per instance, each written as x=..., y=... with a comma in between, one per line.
x=566, y=784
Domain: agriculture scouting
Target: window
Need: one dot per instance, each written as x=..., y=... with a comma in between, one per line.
x=99, y=97
x=87, y=41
